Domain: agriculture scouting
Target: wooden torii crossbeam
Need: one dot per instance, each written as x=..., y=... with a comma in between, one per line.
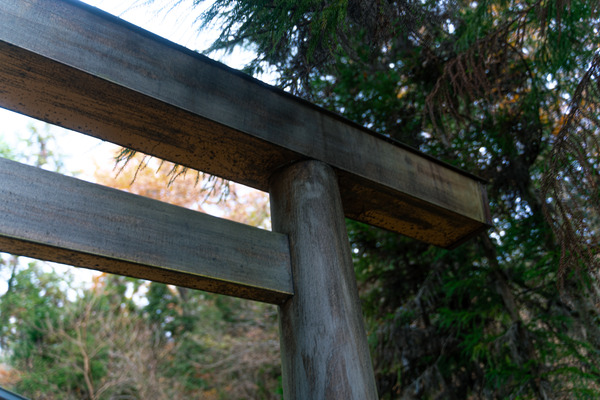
x=72, y=65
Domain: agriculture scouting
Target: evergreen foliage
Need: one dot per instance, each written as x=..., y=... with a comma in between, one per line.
x=506, y=90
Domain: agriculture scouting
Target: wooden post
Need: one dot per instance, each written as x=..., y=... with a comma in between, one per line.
x=324, y=347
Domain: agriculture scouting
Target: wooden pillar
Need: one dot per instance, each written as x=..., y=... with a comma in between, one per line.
x=324, y=347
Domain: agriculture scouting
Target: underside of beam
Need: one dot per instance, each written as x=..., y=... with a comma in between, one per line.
x=56, y=218
x=72, y=65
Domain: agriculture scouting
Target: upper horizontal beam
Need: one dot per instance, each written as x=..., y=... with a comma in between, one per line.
x=72, y=65
x=56, y=218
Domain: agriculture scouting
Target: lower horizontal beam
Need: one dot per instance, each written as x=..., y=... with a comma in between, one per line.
x=56, y=218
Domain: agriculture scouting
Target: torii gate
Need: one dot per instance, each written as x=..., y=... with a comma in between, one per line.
x=69, y=64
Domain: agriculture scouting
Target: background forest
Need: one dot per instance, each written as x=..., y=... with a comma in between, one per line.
x=507, y=90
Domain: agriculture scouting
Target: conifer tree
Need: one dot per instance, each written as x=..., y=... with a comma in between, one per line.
x=503, y=89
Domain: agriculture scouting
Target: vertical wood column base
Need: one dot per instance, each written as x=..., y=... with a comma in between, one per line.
x=324, y=348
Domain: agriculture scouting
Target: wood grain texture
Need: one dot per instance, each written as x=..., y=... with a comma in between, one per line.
x=324, y=348
x=52, y=217
x=72, y=65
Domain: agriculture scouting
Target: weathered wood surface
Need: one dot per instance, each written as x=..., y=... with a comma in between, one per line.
x=72, y=65
x=53, y=217
x=324, y=348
